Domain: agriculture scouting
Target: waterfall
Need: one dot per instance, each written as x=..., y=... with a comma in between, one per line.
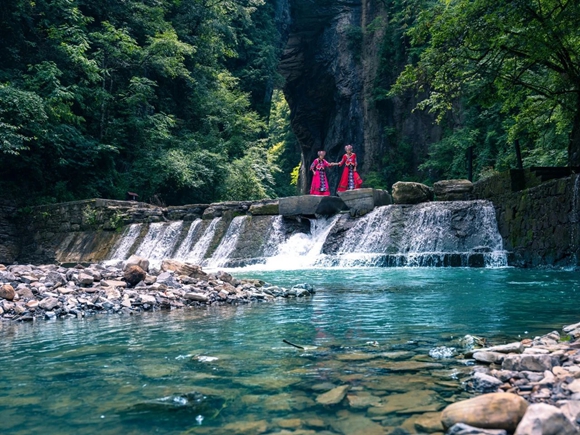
x=435, y=234
x=187, y=243
x=431, y=234
x=275, y=237
x=369, y=233
x=302, y=250
x=227, y=244
x=200, y=248
x=126, y=241
x=160, y=241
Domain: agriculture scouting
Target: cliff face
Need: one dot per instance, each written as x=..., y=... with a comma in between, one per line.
x=331, y=63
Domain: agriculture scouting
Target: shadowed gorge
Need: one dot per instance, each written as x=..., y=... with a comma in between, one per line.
x=335, y=79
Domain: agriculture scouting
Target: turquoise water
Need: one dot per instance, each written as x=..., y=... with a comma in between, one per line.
x=226, y=369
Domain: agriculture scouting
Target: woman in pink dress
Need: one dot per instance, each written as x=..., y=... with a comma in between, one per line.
x=319, y=184
x=350, y=179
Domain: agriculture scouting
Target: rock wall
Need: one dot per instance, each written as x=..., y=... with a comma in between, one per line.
x=9, y=240
x=86, y=231
x=540, y=224
x=49, y=231
x=332, y=65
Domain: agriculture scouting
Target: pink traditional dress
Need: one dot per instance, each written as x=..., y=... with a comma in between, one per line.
x=350, y=179
x=319, y=184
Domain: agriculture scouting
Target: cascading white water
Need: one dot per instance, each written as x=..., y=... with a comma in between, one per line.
x=430, y=234
x=200, y=248
x=188, y=242
x=275, y=237
x=160, y=241
x=227, y=244
x=369, y=233
x=458, y=233
x=302, y=250
x=126, y=241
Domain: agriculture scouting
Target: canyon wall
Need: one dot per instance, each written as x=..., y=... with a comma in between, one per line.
x=338, y=64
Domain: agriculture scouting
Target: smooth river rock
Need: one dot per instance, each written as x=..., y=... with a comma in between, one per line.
x=530, y=362
x=136, y=260
x=333, y=396
x=489, y=357
x=7, y=292
x=133, y=275
x=489, y=411
x=543, y=419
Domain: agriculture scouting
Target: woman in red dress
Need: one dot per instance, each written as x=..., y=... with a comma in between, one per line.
x=319, y=184
x=350, y=179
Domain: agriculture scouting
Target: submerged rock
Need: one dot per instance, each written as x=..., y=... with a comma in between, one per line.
x=465, y=429
x=333, y=396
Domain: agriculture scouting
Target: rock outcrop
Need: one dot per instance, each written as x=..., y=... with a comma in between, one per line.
x=407, y=192
x=453, y=190
x=311, y=205
x=362, y=201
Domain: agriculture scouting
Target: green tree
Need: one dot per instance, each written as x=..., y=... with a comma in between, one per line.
x=522, y=54
x=157, y=97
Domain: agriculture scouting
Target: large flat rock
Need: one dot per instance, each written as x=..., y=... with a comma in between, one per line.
x=365, y=199
x=311, y=205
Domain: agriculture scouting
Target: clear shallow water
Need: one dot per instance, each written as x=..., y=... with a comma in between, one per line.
x=137, y=374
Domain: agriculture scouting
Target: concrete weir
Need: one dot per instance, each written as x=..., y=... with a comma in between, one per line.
x=537, y=226
x=357, y=228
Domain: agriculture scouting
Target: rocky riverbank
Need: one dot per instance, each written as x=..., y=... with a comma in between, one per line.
x=530, y=387
x=48, y=292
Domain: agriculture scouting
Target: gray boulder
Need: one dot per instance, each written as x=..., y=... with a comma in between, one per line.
x=544, y=419
x=406, y=192
x=361, y=201
x=136, y=260
x=311, y=205
x=530, y=362
x=485, y=383
x=453, y=190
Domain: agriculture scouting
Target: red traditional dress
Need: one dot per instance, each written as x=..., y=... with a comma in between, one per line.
x=319, y=184
x=350, y=179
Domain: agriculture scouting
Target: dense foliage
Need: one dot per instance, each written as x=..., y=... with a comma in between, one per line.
x=179, y=101
x=493, y=72
x=166, y=98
